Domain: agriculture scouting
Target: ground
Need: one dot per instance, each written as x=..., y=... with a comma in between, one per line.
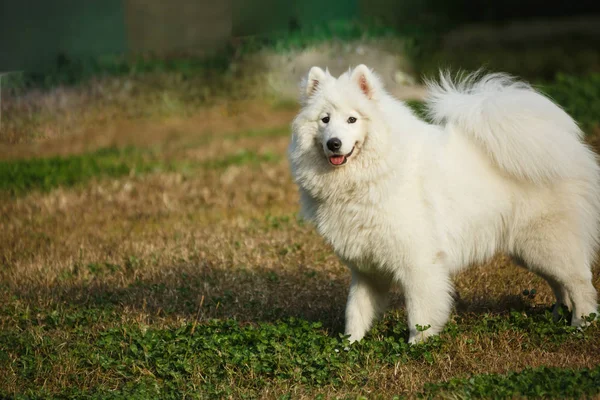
x=163, y=257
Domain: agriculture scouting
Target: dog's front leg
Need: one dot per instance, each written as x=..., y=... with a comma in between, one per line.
x=428, y=296
x=367, y=299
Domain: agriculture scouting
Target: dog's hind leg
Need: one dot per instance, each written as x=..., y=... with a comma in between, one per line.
x=428, y=295
x=551, y=249
x=367, y=300
x=559, y=290
x=560, y=293
x=572, y=288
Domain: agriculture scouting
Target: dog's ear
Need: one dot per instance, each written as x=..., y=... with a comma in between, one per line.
x=367, y=81
x=316, y=78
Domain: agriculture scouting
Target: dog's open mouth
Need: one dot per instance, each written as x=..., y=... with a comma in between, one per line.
x=338, y=160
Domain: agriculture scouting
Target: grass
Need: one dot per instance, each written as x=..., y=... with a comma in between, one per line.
x=21, y=176
x=540, y=382
x=224, y=357
x=18, y=177
x=580, y=97
x=310, y=35
x=162, y=257
x=77, y=71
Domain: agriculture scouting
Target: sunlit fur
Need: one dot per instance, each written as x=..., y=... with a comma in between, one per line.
x=503, y=170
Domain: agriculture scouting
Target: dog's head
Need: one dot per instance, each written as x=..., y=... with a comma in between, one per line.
x=340, y=138
x=337, y=114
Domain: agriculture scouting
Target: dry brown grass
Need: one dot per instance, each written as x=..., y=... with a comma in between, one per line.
x=104, y=127
x=230, y=235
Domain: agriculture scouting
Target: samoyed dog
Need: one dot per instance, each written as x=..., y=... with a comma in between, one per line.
x=409, y=203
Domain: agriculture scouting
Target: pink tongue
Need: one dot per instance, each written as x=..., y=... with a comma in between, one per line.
x=337, y=160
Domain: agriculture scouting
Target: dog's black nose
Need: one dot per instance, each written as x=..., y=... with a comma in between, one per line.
x=334, y=144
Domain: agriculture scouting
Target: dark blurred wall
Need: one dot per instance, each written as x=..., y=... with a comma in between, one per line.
x=176, y=26
x=36, y=35
x=262, y=16
x=450, y=13
x=33, y=34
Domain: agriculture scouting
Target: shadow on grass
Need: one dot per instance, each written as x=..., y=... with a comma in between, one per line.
x=200, y=293
x=203, y=292
x=494, y=305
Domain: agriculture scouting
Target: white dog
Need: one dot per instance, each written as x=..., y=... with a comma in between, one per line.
x=405, y=202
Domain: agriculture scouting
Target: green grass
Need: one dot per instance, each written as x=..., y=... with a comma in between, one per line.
x=342, y=30
x=19, y=177
x=76, y=71
x=543, y=382
x=418, y=108
x=230, y=358
x=580, y=97
x=22, y=176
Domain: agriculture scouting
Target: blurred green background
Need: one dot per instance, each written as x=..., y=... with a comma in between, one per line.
x=40, y=36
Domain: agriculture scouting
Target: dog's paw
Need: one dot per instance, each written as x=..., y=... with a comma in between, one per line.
x=420, y=334
x=585, y=321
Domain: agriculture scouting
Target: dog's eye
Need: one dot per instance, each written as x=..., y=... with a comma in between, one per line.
x=351, y=120
x=325, y=120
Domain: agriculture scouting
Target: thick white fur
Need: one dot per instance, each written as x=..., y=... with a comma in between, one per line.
x=478, y=107
x=503, y=170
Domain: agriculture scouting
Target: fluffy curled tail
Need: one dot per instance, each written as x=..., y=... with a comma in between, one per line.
x=523, y=132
